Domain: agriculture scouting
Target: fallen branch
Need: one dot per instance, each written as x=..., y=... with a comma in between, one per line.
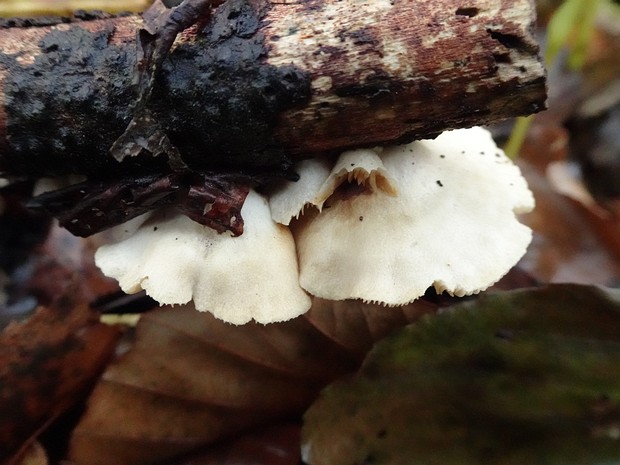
x=246, y=88
x=262, y=82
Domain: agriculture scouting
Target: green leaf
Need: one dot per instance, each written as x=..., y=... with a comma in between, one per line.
x=572, y=17
x=561, y=26
x=523, y=377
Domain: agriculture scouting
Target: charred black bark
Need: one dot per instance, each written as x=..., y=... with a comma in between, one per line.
x=211, y=199
x=66, y=108
x=216, y=99
x=226, y=99
x=147, y=143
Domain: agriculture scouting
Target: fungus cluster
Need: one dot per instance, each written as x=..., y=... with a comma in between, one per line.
x=380, y=225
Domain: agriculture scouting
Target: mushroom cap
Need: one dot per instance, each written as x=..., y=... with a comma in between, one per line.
x=452, y=225
x=289, y=200
x=175, y=260
x=317, y=182
x=362, y=167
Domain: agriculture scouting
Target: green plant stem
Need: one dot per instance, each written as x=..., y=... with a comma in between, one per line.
x=517, y=136
x=573, y=18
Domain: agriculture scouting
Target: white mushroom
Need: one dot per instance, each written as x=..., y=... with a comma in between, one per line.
x=253, y=276
x=384, y=226
x=317, y=182
x=44, y=185
x=289, y=201
x=124, y=230
x=449, y=222
x=360, y=169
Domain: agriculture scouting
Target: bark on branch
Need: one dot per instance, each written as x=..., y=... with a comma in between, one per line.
x=259, y=82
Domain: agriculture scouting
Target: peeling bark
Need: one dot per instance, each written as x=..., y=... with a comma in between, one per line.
x=262, y=83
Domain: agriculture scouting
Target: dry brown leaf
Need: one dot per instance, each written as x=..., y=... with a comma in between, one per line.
x=190, y=379
x=39, y=272
x=47, y=364
x=60, y=259
x=34, y=455
x=546, y=142
x=566, y=245
x=603, y=217
x=272, y=445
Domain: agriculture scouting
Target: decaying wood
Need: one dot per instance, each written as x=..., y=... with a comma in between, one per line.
x=390, y=69
x=363, y=73
x=195, y=104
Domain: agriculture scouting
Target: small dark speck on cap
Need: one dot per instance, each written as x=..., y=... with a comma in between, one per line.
x=442, y=156
x=439, y=183
x=361, y=218
x=154, y=228
x=352, y=164
x=481, y=153
x=463, y=151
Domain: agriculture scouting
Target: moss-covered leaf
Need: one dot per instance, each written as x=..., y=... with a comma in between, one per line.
x=523, y=377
